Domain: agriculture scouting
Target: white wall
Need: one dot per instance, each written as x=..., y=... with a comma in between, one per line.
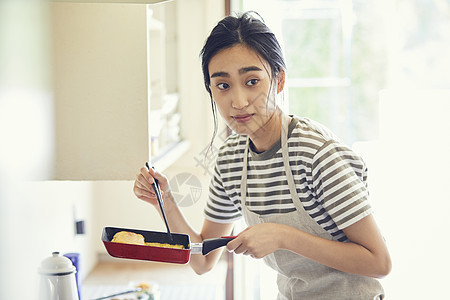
x=414, y=190
x=37, y=217
x=195, y=20
x=408, y=181
x=26, y=140
x=47, y=222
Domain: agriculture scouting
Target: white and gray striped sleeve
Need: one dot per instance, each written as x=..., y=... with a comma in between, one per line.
x=339, y=183
x=219, y=207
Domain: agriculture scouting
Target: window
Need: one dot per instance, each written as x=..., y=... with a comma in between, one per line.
x=317, y=40
x=334, y=72
x=340, y=55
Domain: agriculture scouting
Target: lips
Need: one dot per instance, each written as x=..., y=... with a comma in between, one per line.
x=242, y=118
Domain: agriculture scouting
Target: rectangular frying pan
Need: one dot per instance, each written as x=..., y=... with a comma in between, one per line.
x=160, y=254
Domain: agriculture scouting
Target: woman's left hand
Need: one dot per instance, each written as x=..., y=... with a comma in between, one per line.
x=258, y=240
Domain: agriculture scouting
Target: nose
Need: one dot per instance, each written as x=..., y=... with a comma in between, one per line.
x=239, y=100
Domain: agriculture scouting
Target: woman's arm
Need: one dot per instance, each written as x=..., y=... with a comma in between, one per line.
x=366, y=253
x=177, y=222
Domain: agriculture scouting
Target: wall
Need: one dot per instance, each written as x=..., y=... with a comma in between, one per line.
x=411, y=190
x=193, y=28
x=37, y=214
x=40, y=219
x=47, y=223
x=26, y=141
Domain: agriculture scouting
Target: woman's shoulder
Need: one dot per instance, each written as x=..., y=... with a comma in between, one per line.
x=233, y=145
x=310, y=136
x=308, y=128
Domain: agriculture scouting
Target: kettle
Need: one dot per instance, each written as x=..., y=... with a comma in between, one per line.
x=57, y=280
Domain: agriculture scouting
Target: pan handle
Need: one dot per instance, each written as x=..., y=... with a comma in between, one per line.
x=214, y=243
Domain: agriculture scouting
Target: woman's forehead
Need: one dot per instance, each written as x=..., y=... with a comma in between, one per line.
x=236, y=58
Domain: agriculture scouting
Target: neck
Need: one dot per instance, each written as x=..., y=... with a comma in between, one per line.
x=266, y=136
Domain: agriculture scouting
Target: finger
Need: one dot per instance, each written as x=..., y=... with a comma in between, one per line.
x=158, y=176
x=246, y=229
x=140, y=193
x=142, y=182
x=233, y=244
x=240, y=250
x=143, y=193
x=147, y=175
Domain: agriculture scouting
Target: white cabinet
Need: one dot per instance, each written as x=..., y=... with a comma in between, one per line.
x=101, y=94
x=108, y=70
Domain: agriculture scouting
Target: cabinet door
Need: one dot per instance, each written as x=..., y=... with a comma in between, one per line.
x=101, y=90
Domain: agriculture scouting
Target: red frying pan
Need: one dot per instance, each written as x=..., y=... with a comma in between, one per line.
x=151, y=253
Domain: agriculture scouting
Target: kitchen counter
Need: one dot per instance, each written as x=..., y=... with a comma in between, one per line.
x=173, y=281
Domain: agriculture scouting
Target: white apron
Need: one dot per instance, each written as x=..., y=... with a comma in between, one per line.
x=300, y=277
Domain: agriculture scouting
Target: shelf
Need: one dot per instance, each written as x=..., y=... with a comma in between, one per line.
x=169, y=155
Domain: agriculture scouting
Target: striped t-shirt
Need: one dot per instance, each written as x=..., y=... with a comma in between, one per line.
x=330, y=179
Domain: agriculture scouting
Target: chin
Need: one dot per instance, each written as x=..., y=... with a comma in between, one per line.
x=243, y=129
x=247, y=128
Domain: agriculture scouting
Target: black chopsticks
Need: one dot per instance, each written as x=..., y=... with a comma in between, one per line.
x=157, y=190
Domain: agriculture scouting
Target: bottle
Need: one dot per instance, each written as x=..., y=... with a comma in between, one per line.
x=57, y=280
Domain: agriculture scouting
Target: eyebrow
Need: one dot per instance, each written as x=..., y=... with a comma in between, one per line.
x=241, y=71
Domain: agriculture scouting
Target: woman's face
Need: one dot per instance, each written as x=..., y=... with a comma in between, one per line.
x=241, y=88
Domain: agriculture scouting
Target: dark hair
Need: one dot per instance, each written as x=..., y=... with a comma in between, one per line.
x=245, y=29
x=248, y=29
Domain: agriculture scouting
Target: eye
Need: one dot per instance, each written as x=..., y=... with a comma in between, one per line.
x=222, y=86
x=252, y=82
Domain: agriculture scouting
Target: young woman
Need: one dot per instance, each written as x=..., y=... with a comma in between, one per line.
x=302, y=193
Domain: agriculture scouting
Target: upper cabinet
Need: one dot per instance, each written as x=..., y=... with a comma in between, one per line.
x=100, y=90
x=114, y=109
x=127, y=85
x=111, y=101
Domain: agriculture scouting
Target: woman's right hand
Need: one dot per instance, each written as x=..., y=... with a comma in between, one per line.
x=143, y=186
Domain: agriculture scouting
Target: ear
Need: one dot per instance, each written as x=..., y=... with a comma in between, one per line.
x=280, y=81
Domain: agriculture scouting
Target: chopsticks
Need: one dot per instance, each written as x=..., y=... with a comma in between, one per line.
x=157, y=190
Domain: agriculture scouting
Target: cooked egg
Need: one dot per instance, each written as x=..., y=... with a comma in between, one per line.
x=127, y=237
x=165, y=245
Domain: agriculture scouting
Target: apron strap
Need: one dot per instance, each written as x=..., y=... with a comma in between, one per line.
x=244, y=174
x=287, y=168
